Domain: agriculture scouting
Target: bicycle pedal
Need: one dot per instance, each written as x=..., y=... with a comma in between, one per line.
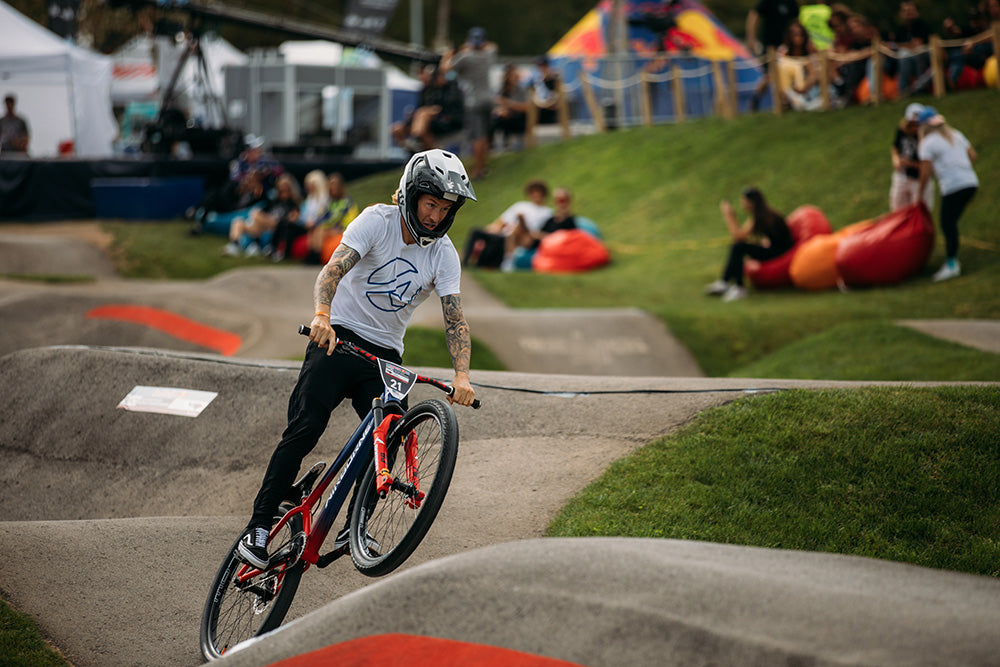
x=326, y=559
x=303, y=487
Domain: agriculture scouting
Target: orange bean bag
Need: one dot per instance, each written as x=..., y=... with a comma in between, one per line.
x=330, y=244
x=569, y=251
x=805, y=222
x=814, y=266
x=889, y=249
x=890, y=90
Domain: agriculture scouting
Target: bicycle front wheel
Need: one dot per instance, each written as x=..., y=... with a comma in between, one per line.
x=422, y=453
x=240, y=607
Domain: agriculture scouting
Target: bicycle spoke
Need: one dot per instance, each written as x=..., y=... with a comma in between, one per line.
x=241, y=607
x=388, y=529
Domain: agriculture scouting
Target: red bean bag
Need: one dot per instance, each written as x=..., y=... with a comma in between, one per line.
x=970, y=78
x=804, y=222
x=890, y=250
x=569, y=250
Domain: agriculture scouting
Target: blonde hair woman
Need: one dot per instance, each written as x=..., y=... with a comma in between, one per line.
x=314, y=210
x=948, y=154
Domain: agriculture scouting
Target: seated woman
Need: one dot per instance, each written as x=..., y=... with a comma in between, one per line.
x=341, y=209
x=315, y=210
x=798, y=79
x=764, y=222
x=252, y=235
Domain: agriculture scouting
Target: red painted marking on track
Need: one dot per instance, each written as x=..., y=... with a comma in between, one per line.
x=224, y=342
x=415, y=651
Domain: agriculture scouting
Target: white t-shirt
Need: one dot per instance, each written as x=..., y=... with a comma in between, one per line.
x=377, y=297
x=952, y=166
x=534, y=215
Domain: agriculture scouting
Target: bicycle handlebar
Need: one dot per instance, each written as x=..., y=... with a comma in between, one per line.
x=351, y=348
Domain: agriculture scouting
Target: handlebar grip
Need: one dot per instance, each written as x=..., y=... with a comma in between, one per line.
x=476, y=403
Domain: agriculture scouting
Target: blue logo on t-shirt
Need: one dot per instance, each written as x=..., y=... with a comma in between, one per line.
x=397, y=279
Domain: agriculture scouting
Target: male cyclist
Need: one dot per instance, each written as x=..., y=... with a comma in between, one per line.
x=389, y=260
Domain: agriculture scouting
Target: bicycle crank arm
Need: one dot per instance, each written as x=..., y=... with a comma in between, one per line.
x=326, y=559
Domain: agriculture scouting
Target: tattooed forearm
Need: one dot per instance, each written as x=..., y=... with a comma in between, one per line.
x=456, y=332
x=344, y=258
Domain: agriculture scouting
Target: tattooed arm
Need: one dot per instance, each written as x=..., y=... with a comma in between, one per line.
x=321, y=331
x=456, y=333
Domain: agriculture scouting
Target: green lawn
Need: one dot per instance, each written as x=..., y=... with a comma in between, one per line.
x=909, y=475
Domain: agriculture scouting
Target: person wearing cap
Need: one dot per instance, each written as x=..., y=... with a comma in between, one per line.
x=472, y=64
x=390, y=259
x=905, y=187
x=945, y=152
x=14, y=134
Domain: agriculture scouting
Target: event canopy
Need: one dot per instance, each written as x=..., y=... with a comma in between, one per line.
x=661, y=40
x=63, y=90
x=680, y=26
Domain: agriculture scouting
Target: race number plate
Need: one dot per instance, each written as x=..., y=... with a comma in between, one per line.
x=397, y=380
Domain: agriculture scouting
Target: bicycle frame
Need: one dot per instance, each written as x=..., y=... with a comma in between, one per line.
x=315, y=531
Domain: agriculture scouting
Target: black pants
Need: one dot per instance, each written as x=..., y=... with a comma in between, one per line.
x=492, y=252
x=285, y=234
x=952, y=207
x=737, y=251
x=324, y=382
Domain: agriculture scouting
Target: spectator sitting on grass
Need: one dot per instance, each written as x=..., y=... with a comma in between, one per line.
x=341, y=210
x=529, y=239
x=315, y=209
x=798, y=80
x=252, y=236
x=486, y=247
x=764, y=222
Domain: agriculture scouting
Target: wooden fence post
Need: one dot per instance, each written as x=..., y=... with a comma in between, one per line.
x=734, y=99
x=645, y=106
x=937, y=66
x=562, y=109
x=596, y=113
x=875, y=87
x=677, y=84
x=773, y=80
x=721, y=96
x=996, y=47
x=824, y=78
x=531, y=122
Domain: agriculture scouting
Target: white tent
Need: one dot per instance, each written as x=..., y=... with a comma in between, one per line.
x=62, y=90
x=319, y=52
x=144, y=65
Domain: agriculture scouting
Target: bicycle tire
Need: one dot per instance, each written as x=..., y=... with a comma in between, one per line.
x=237, y=612
x=396, y=528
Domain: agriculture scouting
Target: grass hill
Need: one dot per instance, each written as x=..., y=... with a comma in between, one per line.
x=655, y=194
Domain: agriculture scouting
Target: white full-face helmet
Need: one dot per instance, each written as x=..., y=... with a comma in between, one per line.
x=434, y=172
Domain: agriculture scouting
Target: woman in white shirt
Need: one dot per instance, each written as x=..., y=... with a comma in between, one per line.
x=948, y=154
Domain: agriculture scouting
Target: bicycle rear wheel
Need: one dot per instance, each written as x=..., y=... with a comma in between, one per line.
x=237, y=610
x=385, y=531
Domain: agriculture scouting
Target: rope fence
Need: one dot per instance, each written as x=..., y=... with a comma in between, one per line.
x=660, y=88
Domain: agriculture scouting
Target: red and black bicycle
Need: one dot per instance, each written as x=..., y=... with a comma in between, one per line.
x=402, y=462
